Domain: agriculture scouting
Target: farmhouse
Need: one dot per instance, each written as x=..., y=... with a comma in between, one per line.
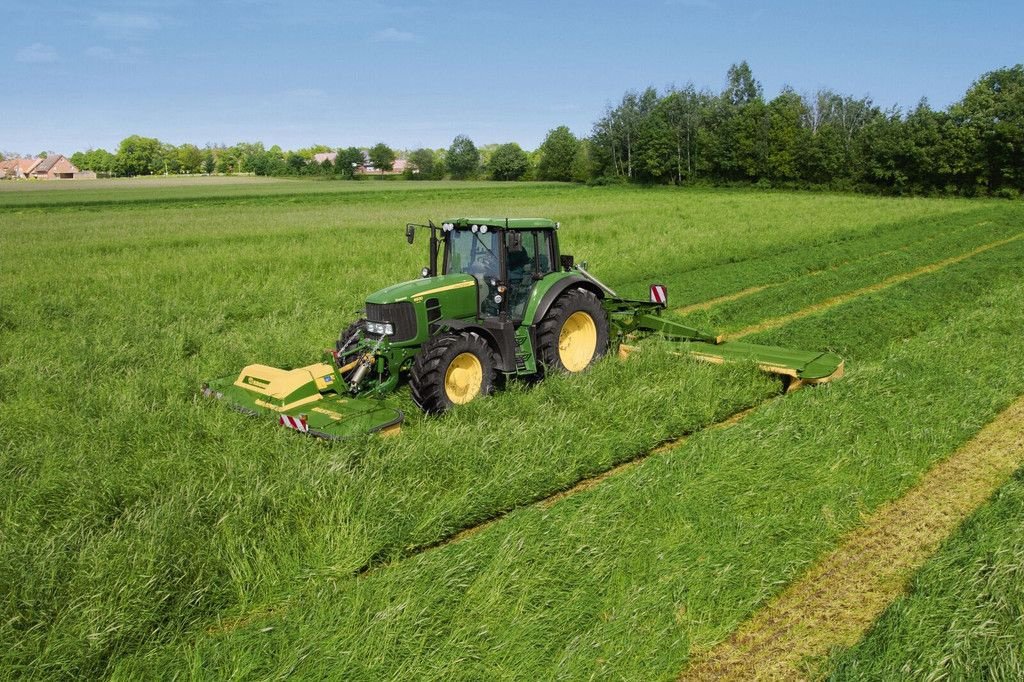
x=17, y=168
x=55, y=167
x=368, y=168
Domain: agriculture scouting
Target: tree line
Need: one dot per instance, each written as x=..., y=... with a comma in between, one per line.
x=685, y=136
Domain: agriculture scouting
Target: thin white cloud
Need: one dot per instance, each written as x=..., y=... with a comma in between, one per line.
x=305, y=93
x=393, y=35
x=37, y=53
x=123, y=23
x=98, y=52
x=126, y=55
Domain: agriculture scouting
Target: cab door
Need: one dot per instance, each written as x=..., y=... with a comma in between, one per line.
x=528, y=257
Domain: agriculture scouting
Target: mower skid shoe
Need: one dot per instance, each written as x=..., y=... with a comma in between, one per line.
x=304, y=400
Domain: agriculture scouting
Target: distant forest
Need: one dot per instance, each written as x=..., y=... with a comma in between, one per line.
x=682, y=136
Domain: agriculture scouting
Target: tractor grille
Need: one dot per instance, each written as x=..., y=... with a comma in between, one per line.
x=401, y=315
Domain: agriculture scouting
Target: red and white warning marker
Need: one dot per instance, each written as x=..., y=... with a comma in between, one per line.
x=297, y=423
x=659, y=294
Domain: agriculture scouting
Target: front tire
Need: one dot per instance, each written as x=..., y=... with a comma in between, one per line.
x=450, y=370
x=573, y=333
x=347, y=334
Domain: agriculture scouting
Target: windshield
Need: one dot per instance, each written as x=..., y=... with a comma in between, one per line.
x=472, y=253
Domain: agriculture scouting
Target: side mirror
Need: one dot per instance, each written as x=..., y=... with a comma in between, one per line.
x=515, y=240
x=410, y=233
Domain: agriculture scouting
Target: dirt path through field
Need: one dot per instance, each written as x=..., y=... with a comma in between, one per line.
x=777, y=322
x=750, y=291
x=838, y=599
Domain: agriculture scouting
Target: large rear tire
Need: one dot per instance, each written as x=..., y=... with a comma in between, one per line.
x=573, y=333
x=450, y=370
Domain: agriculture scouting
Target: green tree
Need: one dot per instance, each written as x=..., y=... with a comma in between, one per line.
x=98, y=160
x=742, y=87
x=616, y=134
x=584, y=167
x=349, y=158
x=993, y=113
x=382, y=157
x=190, y=158
x=137, y=155
x=209, y=162
x=296, y=163
x=885, y=151
x=508, y=162
x=423, y=161
x=683, y=113
x=463, y=159
x=654, y=158
x=169, y=155
x=788, y=140
x=557, y=154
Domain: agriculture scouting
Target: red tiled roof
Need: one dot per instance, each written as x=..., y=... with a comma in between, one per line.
x=46, y=164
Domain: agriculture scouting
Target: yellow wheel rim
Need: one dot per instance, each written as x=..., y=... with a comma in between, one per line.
x=463, y=378
x=577, y=341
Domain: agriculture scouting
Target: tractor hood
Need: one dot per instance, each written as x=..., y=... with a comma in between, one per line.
x=416, y=290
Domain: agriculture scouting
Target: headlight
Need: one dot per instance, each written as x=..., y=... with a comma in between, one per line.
x=380, y=328
x=387, y=329
x=425, y=272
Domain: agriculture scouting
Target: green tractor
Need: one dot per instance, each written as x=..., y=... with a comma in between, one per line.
x=497, y=300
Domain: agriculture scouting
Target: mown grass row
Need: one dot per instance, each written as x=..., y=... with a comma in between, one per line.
x=962, y=617
x=798, y=293
x=627, y=578
x=832, y=249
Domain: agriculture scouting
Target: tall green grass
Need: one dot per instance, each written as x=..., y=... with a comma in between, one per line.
x=627, y=579
x=962, y=618
x=134, y=515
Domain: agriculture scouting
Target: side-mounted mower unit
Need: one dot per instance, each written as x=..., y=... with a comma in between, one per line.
x=497, y=298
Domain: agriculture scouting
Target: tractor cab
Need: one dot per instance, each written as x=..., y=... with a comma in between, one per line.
x=507, y=258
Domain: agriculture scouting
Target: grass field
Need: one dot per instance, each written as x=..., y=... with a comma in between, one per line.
x=963, y=614
x=147, y=533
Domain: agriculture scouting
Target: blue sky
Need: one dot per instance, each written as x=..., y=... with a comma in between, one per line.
x=86, y=74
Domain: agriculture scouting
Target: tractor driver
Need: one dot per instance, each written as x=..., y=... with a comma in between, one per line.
x=520, y=277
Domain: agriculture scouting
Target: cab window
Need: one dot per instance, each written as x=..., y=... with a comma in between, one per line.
x=472, y=254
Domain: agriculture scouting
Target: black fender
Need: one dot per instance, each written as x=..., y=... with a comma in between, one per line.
x=559, y=288
x=499, y=335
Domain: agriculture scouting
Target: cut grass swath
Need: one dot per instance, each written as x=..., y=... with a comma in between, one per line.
x=794, y=297
x=838, y=599
x=961, y=618
x=777, y=270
